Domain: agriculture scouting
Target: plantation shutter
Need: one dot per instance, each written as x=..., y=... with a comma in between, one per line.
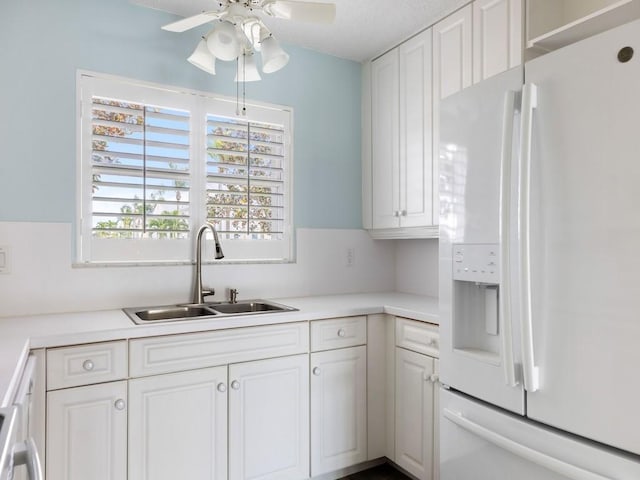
x=245, y=175
x=140, y=170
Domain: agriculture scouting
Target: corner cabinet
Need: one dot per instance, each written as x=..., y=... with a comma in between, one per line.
x=401, y=131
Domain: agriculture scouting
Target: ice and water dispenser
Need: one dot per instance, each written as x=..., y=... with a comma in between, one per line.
x=476, y=293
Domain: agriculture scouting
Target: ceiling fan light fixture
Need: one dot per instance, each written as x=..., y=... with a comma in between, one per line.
x=223, y=42
x=202, y=58
x=273, y=56
x=247, y=71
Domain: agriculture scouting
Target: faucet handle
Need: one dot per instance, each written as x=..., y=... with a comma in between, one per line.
x=233, y=295
x=207, y=292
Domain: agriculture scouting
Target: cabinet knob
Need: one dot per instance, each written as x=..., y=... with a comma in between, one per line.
x=88, y=365
x=235, y=385
x=403, y=213
x=119, y=404
x=222, y=387
x=396, y=213
x=341, y=332
x=435, y=378
x=316, y=371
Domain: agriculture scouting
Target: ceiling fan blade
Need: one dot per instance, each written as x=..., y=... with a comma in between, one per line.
x=191, y=22
x=302, y=11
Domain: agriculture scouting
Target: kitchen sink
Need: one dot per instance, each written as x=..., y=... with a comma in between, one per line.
x=172, y=313
x=254, y=306
x=160, y=314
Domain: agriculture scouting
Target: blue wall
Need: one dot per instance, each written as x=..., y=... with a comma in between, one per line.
x=42, y=45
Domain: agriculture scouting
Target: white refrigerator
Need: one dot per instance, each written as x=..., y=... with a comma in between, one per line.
x=540, y=268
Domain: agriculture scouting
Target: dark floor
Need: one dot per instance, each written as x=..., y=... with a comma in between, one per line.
x=381, y=472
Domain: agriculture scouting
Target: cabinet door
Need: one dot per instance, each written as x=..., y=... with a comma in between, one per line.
x=269, y=419
x=178, y=426
x=416, y=180
x=497, y=37
x=385, y=138
x=414, y=413
x=436, y=420
x=452, y=62
x=87, y=433
x=338, y=409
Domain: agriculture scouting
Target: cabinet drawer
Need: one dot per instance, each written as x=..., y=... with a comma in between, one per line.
x=86, y=364
x=338, y=333
x=417, y=336
x=152, y=356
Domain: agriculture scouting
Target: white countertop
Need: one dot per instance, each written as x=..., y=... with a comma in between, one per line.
x=20, y=334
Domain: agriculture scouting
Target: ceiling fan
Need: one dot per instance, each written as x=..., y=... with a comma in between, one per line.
x=238, y=33
x=234, y=9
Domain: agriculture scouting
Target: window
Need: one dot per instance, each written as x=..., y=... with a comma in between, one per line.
x=156, y=163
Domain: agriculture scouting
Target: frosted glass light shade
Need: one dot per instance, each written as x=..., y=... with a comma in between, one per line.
x=223, y=42
x=247, y=71
x=203, y=59
x=273, y=56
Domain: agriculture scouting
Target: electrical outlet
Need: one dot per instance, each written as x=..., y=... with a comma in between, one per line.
x=351, y=257
x=5, y=259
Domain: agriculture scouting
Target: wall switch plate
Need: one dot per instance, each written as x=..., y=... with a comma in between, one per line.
x=5, y=259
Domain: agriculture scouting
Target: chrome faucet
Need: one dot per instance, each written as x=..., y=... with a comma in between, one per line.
x=199, y=292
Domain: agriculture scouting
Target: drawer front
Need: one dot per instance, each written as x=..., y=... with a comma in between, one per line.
x=338, y=333
x=418, y=336
x=152, y=356
x=86, y=364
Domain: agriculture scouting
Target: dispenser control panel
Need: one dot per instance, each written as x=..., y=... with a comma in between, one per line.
x=476, y=262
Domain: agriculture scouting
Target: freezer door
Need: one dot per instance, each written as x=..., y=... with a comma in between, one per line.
x=477, y=142
x=585, y=238
x=484, y=443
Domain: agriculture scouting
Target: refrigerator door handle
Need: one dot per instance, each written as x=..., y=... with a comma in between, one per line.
x=504, y=297
x=529, y=103
x=551, y=463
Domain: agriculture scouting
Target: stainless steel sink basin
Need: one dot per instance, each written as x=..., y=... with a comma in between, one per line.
x=254, y=306
x=172, y=313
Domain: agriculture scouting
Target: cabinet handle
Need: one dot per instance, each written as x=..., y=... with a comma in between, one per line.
x=235, y=385
x=120, y=404
x=88, y=365
x=341, y=332
x=396, y=213
x=316, y=371
x=222, y=387
x=435, y=378
x=403, y=213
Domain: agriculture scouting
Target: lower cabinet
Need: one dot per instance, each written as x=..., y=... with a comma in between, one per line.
x=282, y=402
x=87, y=433
x=414, y=413
x=416, y=397
x=178, y=425
x=269, y=419
x=338, y=409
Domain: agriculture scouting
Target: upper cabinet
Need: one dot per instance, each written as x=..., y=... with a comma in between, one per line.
x=401, y=94
x=402, y=180
x=497, y=37
x=552, y=24
x=452, y=50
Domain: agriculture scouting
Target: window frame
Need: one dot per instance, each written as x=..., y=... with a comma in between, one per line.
x=92, y=251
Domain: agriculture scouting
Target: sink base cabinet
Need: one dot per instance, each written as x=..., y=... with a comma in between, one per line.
x=178, y=426
x=269, y=419
x=87, y=433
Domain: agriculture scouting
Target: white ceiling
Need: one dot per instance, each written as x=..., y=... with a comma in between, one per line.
x=363, y=29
